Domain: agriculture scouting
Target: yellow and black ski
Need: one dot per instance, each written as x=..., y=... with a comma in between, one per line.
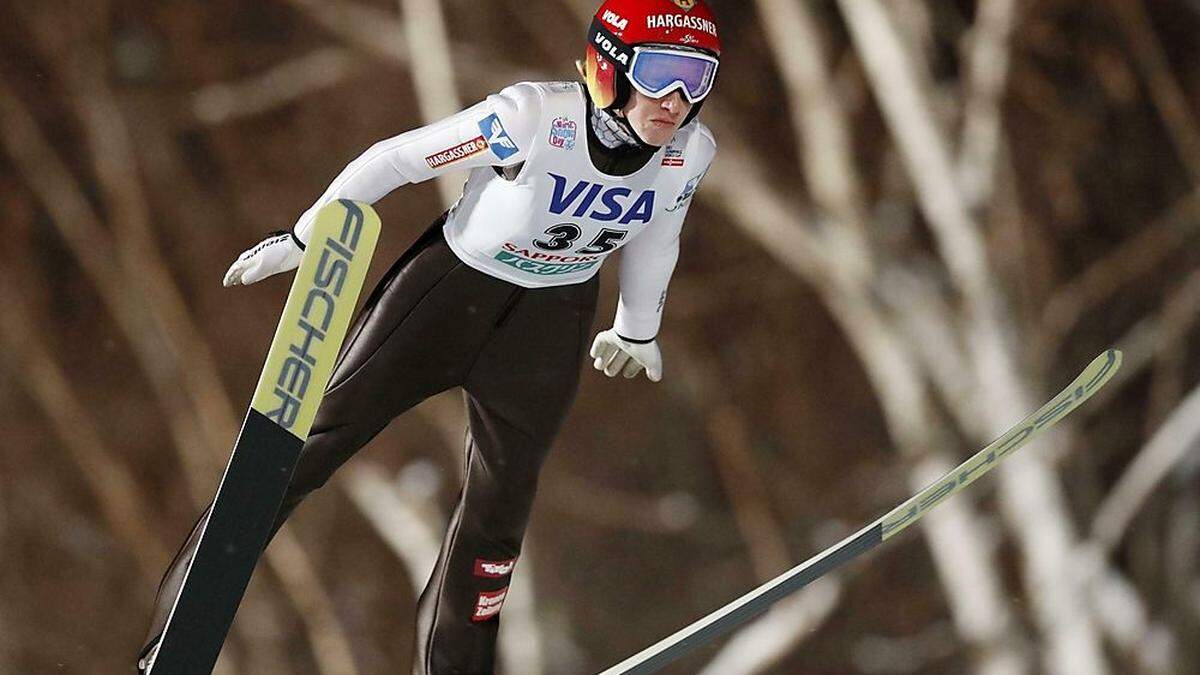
x=299, y=365
x=759, y=600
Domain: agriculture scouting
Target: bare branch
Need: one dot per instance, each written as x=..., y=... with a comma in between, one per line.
x=782, y=226
x=1032, y=502
x=747, y=492
x=964, y=561
x=762, y=643
x=225, y=102
x=1172, y=104
x=1133, y=259
x=1178, y=316
x=1121, y=611
x=612, y=508
x=433, y=74
x=987, y=74
x=407, y=522
x=765, y=642
x=821, y=125
x=372, y=30
x=379, y=34
x=115, y=489
x=1174, y=440
x=295, y=571
x=159, y=298
x=907, y=110
x=81, y=231
x=403, y=515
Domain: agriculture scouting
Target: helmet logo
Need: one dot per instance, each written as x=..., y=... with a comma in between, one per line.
x=611, y=50
x=685, y=5
x=615, y=20
x=681, y=22
x=690, y=39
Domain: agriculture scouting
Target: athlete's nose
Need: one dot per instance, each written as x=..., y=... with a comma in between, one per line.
x=673, y=102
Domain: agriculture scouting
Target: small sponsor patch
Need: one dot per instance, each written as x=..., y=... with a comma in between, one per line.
x=488, y=605
x=461, y=151
x=494, y=569
x=685, y=5
x=673, y=157
x=497, y=137
x=689, y=191
x=543, y=268
x=563, y=132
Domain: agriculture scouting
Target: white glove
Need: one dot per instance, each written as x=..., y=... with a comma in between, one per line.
x=613, y=355
x=277, y=253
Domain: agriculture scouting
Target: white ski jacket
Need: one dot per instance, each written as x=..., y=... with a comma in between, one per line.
x=552, y=218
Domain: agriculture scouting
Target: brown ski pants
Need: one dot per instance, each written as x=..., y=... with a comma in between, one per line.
x=434, y=323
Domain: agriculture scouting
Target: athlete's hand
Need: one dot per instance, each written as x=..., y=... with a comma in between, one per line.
x=277, y=253
x=614, y=354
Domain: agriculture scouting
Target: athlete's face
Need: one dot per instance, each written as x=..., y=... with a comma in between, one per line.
x=656, y=119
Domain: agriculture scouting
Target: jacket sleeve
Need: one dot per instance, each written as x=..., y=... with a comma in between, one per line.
x=648, y=261
x=497, y=131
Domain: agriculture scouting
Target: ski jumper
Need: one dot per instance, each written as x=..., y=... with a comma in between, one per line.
x=497, y=297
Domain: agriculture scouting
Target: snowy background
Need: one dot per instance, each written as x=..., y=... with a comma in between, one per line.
x=924, y=219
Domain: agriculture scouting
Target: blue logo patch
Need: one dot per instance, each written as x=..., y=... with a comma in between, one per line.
x=497, y=137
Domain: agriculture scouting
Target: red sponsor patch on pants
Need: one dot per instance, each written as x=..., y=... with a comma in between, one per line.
x=488, y=605
x=494, y=569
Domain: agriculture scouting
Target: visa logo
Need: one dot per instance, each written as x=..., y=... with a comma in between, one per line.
x=610, y=204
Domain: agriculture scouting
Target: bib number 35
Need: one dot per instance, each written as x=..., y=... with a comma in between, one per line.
x=566, y=234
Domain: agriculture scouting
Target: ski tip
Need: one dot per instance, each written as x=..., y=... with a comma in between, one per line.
x=1099, y=372
x=1109, y=361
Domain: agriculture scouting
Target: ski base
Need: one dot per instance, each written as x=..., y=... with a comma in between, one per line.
x=238, y=527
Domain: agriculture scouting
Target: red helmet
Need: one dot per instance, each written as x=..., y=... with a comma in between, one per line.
x=656, y=46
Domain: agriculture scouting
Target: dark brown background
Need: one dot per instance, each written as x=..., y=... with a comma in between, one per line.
x=143, y=145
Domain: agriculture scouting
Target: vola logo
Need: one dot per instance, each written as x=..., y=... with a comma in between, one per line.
x=611, y=203
x=615, y=20
x=611, y=50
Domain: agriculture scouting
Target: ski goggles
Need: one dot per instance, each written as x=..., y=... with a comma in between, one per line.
x=657, y=71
